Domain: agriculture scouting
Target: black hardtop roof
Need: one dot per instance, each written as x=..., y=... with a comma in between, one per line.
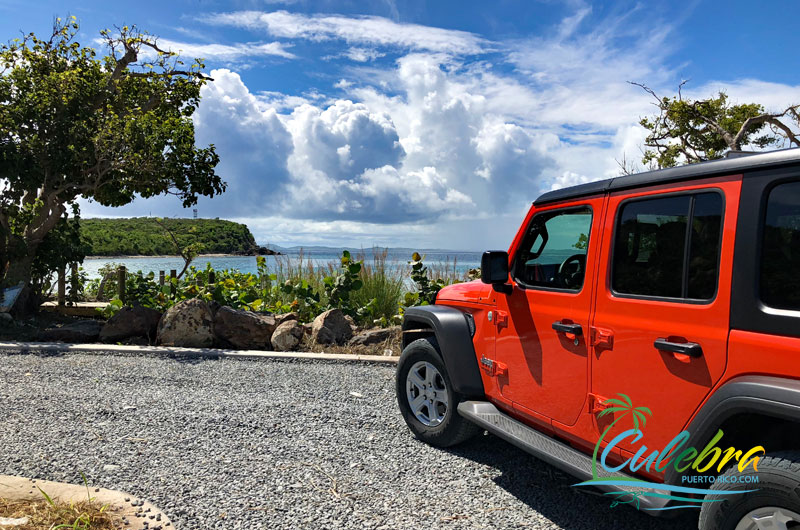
x=726, y=166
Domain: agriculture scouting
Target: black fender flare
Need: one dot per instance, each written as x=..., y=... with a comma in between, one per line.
x=769, y=396
x=452, y=332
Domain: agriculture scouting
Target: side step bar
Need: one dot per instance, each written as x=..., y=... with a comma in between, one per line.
x=558, y=454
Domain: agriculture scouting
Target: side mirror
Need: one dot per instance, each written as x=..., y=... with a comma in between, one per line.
x=494, y=270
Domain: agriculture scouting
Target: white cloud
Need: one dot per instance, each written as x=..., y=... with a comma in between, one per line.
x=364, y=30
x=441, y=148
x=227, y=52
x=251, y=139
x=362, y=55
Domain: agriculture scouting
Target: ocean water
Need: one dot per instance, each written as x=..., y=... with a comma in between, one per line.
x=460, y=261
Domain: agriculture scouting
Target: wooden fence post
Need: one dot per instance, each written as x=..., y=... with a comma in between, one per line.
x=121, y=277
x=161, y=278
x=62, y=286
x=74, y=282
x=172, y=274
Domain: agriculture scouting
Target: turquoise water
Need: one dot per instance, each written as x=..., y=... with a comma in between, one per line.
x=463, y=261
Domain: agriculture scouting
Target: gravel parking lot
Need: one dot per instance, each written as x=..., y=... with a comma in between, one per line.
x=272, y=444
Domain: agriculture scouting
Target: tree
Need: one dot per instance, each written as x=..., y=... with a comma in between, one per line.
x=105, y=128
x=686, y=131
x=625, y=406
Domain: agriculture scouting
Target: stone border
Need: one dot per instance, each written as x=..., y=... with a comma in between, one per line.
x=139, y=514
x=210, y=353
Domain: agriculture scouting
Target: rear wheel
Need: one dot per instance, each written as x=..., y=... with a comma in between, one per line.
x=426, y=397
x=775, y=504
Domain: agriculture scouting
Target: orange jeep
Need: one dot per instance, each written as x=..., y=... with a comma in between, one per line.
x=643, y=334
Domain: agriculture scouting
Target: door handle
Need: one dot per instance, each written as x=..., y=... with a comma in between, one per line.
x=575, y=329
x=692, y=349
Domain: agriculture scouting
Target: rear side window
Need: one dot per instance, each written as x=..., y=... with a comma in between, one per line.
x=780, y=254
x=668, y=247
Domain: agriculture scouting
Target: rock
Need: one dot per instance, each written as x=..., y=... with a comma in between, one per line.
x=78, y=331
x=287, y=335
x=131, y=322
x=280, y=319
x=110, y=467
x=331, y=327
x=138, y=341
x=352, y=323
x=6, y=319
x=188, y=323
x=244, y=329
x=374, y=336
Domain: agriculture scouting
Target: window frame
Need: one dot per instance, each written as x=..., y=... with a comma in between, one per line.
x=748, y=312
x=687, y=242
x=563, y=209
x=762, y=224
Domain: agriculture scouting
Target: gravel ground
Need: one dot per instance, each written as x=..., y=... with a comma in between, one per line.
x=272, y=444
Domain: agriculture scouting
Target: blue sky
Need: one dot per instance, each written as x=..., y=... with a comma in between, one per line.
x=432, y=124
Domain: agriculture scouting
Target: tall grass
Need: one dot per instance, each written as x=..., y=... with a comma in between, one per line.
x=383, y=281
x=299, y=267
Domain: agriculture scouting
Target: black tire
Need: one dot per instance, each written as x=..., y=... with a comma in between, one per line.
x=453, y=429
x=778, y=486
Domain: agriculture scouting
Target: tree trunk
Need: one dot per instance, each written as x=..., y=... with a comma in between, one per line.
x=19, y=271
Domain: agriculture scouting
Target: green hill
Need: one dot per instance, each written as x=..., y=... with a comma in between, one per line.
x=143, y=236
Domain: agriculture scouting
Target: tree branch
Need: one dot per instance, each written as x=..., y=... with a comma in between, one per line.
x=755, y=121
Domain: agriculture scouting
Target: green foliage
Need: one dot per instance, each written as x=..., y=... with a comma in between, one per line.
x=62, y=247
x=143, y=236
x=75, y=123
x=338, y=288
x=689, y=131
x=383, y=288
x=426, y=287
x=370, y=294
x=582, y=243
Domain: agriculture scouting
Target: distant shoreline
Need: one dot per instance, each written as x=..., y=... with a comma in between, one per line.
x=170, y=256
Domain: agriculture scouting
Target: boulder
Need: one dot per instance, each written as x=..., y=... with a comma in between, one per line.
x=188, y=323
x=280, y=319
x=331, y=327
x=78, y=331
x=131, y=322
x=352, y=322
x=244, y=329
x=374, y=336
x=287, y=335
x=6, y=319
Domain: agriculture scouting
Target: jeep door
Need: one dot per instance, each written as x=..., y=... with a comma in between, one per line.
x=661, y=320
x=543, y=324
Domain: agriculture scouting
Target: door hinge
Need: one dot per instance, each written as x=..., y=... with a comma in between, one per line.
x=501, y=319
x=492, y=367
x=597, y=403
x=602, y=338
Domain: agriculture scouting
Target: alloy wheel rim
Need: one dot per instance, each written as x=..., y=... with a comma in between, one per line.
x=769, y=518
x=426, y=393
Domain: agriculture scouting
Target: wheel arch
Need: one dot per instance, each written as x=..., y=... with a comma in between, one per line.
x=751, y=410
x=452, y=332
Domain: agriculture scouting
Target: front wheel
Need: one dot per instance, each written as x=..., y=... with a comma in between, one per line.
x=774, y=505
x=426, y=397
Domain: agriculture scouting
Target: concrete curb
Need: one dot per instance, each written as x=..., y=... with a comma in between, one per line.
x=209, y=353
x=139, y=514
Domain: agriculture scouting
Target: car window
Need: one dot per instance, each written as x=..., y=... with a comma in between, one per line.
x=553, y=251
x=652, y=238
x=780, y=256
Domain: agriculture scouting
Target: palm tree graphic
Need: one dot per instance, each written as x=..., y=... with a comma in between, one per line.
x=625, y=406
